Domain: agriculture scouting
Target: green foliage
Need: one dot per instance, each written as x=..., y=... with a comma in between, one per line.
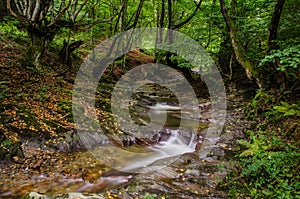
x=288, y=57
x=260, y=104
x=288, y=32
x=149, y=196
x=6, y=143
x=29, y=117
x=42, y=95
x=180, y=62
x=273, y=113
x=9, y=28
x=265, y=105
x=270, y=168
x=4, y=90
x=65, y=106
x=255, y=147
x=252, y=20
x=288, y=110
x=9, y=147
x=269, y=160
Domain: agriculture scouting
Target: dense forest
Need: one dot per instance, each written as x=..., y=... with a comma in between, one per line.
x=254, y=46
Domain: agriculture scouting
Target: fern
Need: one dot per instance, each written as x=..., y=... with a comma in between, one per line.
x=288, y=110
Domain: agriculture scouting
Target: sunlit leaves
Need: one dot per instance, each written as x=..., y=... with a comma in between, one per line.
x=288, y=57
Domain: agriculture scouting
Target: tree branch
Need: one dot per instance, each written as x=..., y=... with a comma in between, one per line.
x=29, y=10
x=162, y=17
x=60, y=14
x=170, y=24
x=20, y=17
x=80, y=8
x=189, y=18
x=138, y=12
x=94, y=23
x=119, y=15
x=36, y=10
x=18, y=7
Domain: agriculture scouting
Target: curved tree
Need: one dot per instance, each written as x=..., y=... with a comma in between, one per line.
x=252, y=70
x=44, y=18
x=40, y=18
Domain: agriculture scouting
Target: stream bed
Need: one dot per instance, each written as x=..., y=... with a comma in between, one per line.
x=169, y=167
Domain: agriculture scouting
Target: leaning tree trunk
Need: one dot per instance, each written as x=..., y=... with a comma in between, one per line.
x=240, y=52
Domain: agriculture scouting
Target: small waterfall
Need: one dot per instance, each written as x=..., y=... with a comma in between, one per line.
x=174, y=146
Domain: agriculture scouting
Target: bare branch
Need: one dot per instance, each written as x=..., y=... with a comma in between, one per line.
x=36, y=11
x=95, y=23
x=119, y=15
x=138, y=12
x=60, y=14
x=73, y=10
x=25, y=7
x=79, y=10
x=61, y=5
x=52, y=11
x=18, y=7
x=44, y=10
x=30, y=7
x=20, y=17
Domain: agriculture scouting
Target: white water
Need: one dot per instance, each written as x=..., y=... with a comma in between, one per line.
x=172, y=147
x=163, y=107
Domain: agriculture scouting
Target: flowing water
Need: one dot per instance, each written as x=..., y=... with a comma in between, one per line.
x=173, y=141
x=177, y=135
x=174, y=146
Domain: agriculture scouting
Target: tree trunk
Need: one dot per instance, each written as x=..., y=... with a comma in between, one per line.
x=37, y=47
x=272, y=31
x=239, y=51
x=123, y=15
x=66, y=52
x=38, y=43
x=275, y=78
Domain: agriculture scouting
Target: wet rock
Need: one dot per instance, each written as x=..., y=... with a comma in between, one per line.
x=35, y=195
x=217, y=153
x=192, y=172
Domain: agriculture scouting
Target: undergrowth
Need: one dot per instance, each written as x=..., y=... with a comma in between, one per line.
x=267, y=164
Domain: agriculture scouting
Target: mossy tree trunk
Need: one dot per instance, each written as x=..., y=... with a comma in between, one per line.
x=38, y=43
x=265, y=76
x=43, y=19
x=40, y=18
x=240, y=52
x=39, y=37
